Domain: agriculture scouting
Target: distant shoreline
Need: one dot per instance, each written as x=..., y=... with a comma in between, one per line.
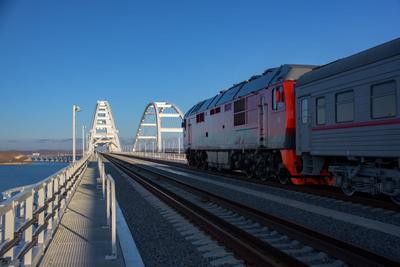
x=15, y=163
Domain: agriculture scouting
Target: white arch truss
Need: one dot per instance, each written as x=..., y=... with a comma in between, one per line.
x=152, y=118
x=103, y=132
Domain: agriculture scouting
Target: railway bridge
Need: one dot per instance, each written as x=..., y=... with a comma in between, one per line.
x=72, y=218
x=142, y=205
x=53, y=158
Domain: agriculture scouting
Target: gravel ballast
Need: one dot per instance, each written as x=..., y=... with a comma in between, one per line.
x=163, y=237
x=379, y=242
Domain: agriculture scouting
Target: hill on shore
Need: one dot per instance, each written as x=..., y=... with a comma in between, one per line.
x=13, y=157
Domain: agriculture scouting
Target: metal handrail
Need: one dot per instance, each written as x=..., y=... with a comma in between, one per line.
x=8, y=193
x=108, y=188
x=29, y=218
x=163, y=156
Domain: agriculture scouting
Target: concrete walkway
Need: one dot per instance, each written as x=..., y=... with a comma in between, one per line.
x=82, y=239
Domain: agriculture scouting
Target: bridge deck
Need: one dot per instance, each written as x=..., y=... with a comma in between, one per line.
x=82, y=239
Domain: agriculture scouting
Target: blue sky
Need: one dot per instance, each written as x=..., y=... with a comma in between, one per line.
x=57, y=53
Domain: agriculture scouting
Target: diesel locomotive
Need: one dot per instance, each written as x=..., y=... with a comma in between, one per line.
x=337, y=124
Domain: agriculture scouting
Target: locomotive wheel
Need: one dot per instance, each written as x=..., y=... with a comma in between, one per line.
x=249, y=168
x=284, y=176
x=260, y=169
x=250, y=172
x=204, y=165
x=348, y=189
x=396, y=199
x=198, y=164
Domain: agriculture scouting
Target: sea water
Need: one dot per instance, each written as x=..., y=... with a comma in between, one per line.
x=18, y=175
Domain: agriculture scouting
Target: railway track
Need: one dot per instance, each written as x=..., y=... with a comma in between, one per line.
x=379, y=202
x=258, y=238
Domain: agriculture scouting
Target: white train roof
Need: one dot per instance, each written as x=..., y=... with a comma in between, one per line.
x=254, y=84
x=369, y=56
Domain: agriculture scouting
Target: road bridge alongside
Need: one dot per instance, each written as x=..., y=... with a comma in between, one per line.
x=53, y=158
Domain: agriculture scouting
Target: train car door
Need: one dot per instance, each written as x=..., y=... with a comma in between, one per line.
x=263, y=122
x=304, y=125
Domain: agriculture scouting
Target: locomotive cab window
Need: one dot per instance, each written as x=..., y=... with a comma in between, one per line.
x=383, y=100
x=320, y=103
x=239, y=109
x=345, y=106
x=278, y=98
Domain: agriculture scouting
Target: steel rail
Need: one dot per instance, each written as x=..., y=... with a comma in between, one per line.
x=254, y=251
x=351, y=254
x=328, y=192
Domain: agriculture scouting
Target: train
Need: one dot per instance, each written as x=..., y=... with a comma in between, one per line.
x=337, y=124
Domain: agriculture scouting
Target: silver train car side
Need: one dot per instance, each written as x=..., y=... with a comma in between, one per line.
x=348, y=121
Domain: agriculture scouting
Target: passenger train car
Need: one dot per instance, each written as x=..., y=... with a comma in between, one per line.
x=348, y=121
x=337, y=124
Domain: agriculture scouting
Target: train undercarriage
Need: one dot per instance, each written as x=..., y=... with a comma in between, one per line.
x=261, y=164
x=373, y=176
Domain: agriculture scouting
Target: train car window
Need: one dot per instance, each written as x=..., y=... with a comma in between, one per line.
x=383, y=100
x=215, y=110
x=278, y=98
x=239, y=109
x=200, y=117
x=320, y=103
x=304, y=110
x=239, y=119
x=281, y=102
x=345, y=106
x=239, y=105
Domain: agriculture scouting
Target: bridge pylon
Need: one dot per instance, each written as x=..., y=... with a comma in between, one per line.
x=153, y=118
x=103, y=132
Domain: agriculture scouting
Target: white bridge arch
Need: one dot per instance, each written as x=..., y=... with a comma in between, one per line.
x=103, y=132
x=152, y=117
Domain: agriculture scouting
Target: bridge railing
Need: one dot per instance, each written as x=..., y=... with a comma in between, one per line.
x=108, y=188
x=179, y=157
x=30, y=214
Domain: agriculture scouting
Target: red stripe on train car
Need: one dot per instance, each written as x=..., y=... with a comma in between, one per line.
x=357, y=124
